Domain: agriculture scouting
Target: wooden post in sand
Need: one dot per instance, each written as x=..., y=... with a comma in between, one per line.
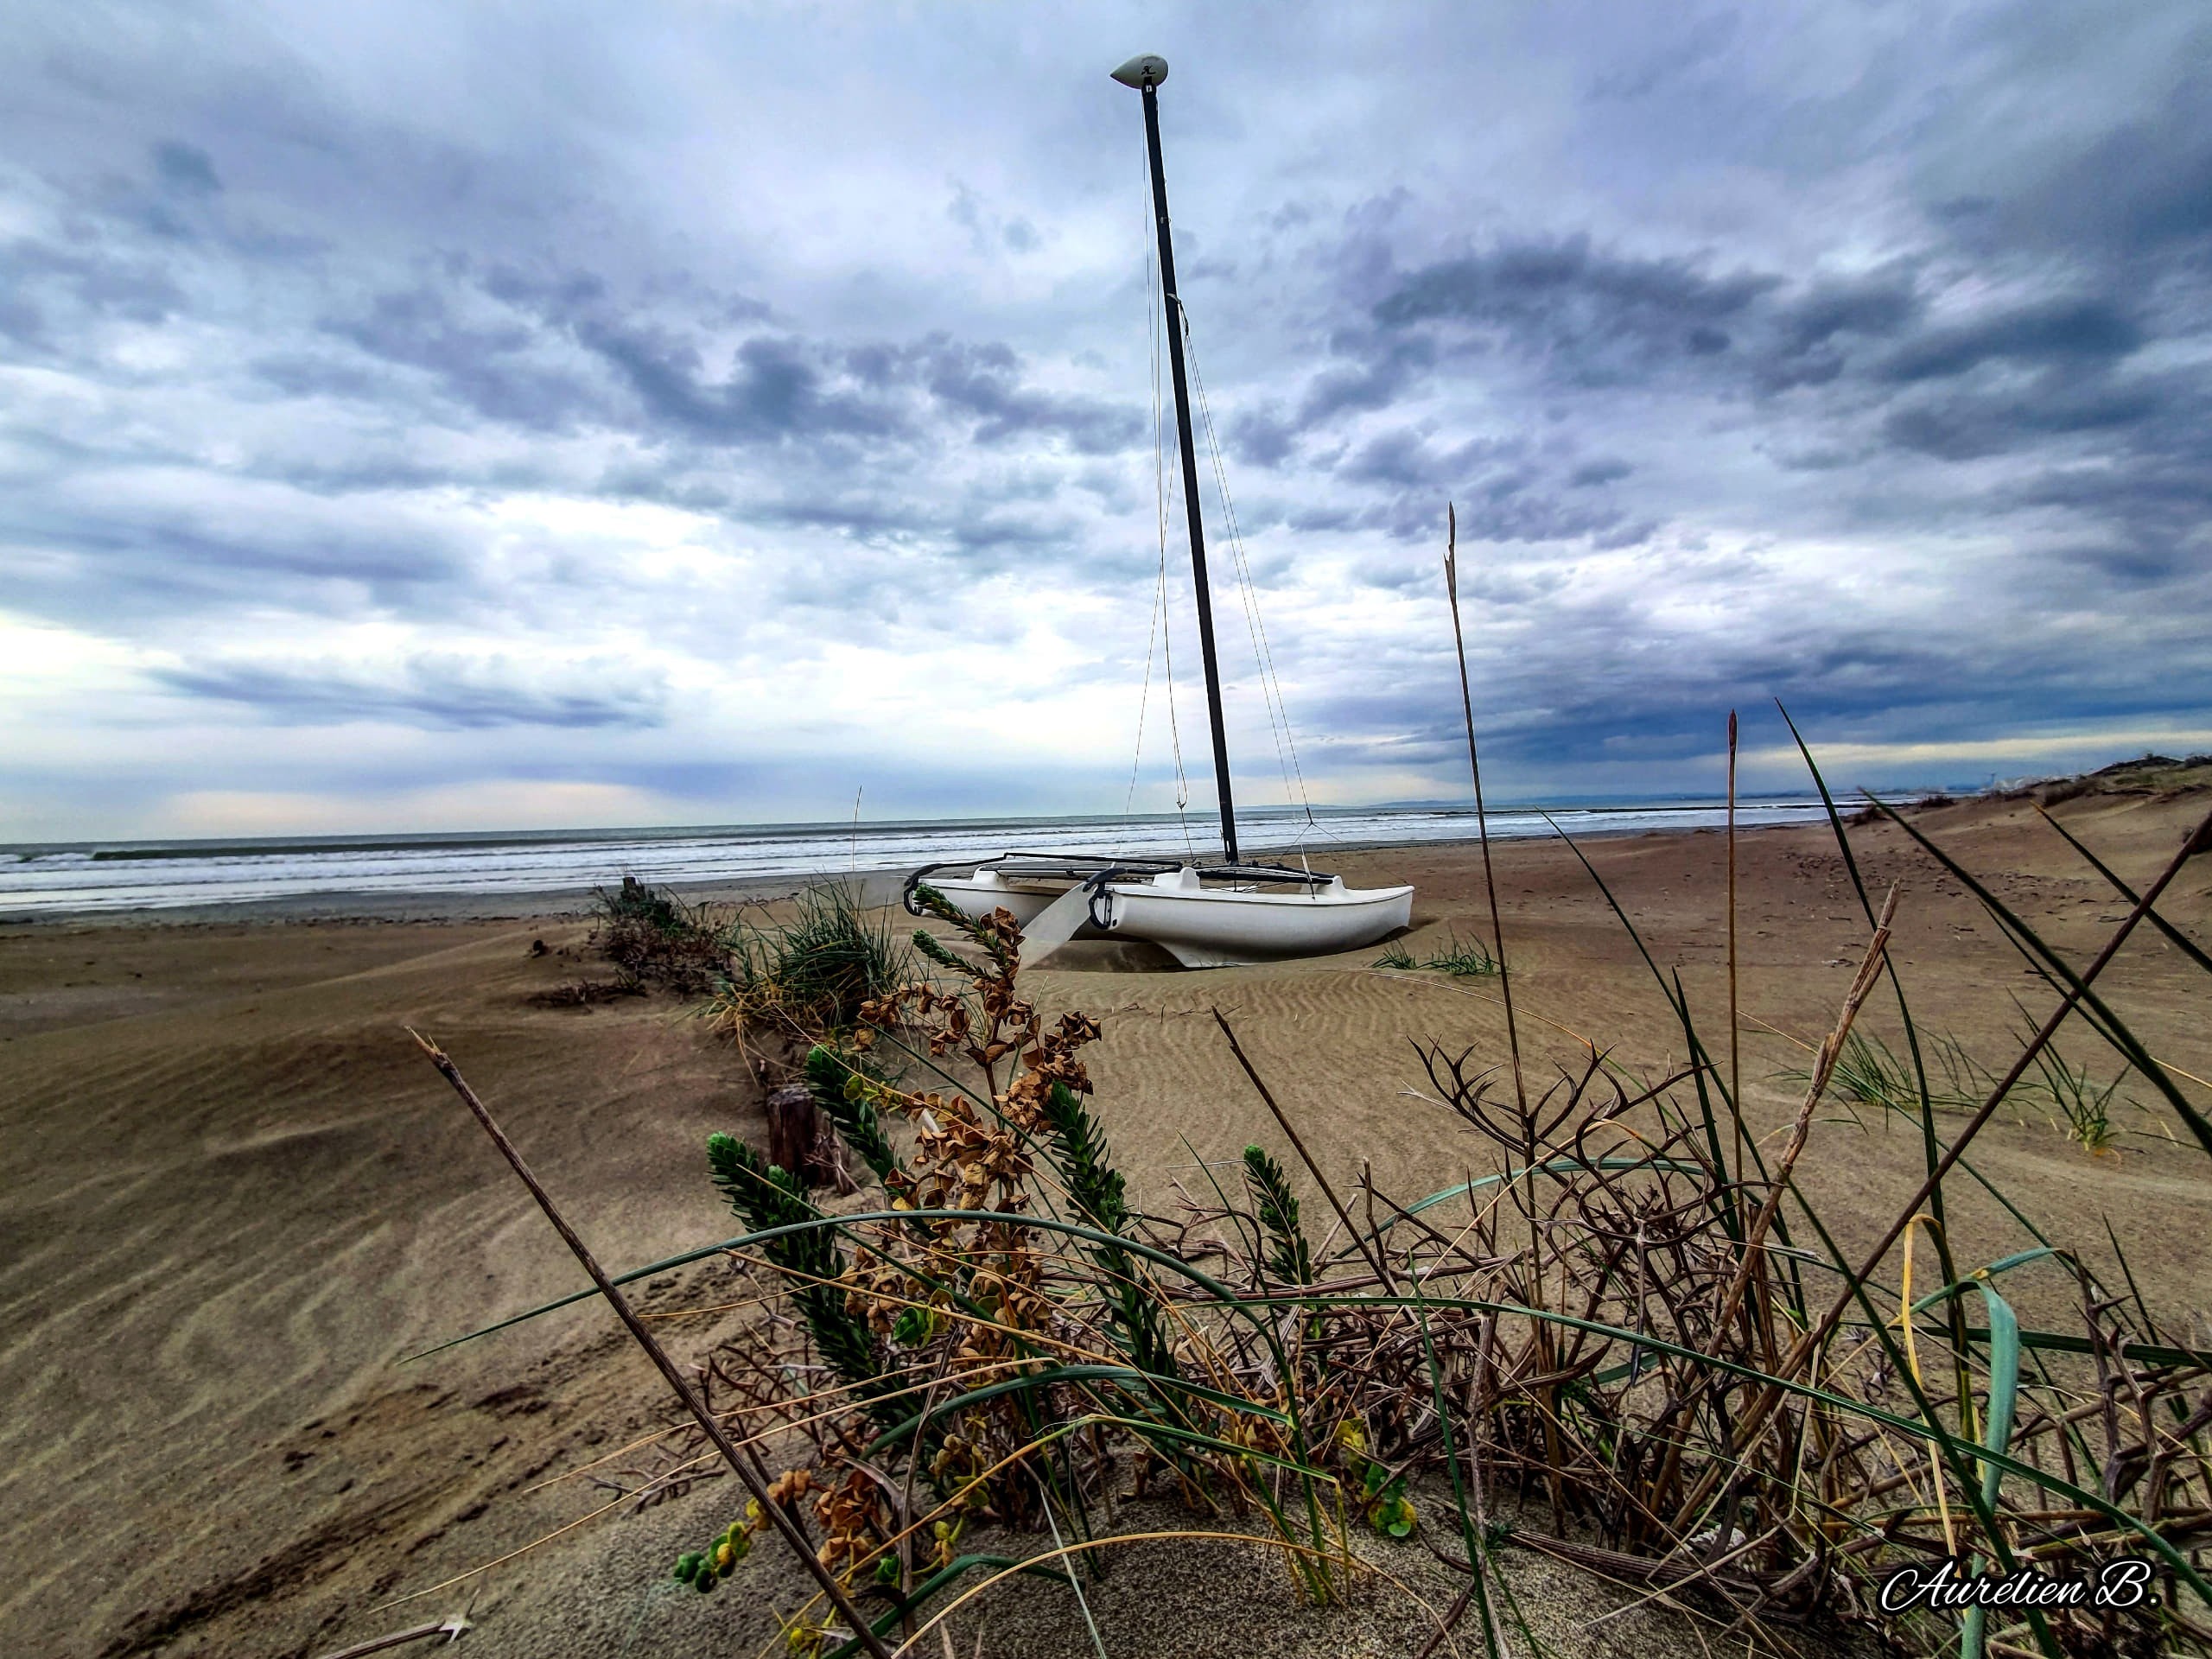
x=797, y=1140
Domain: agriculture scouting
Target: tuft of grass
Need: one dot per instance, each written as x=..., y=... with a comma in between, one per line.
x=811, y=977
x=1466, y=959
x=827, y=963
x=1869, y=1073
x=2083, y=1107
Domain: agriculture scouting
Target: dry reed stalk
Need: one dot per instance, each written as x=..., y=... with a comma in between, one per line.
x=1735, y=1037
x=1367, y=1247
x=784, y=1525
x=1870, y=968
x=1542, y=1333
x=1481, y=820
x=449, y=1628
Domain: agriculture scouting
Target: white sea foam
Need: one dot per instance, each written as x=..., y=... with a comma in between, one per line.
x=125, y=875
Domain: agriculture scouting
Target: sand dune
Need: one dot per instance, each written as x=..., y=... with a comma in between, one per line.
x=235, y=1197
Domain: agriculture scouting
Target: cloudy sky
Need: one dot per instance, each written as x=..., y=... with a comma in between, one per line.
x=417, y=415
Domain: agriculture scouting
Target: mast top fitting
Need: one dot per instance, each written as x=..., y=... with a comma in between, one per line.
x=1148, y=69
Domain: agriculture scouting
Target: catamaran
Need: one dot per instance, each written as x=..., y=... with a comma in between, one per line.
x=1205, y=915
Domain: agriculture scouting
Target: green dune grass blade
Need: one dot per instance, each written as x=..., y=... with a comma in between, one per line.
x=1975, y=1280
x=950, y=1572
x=1057, y=1375
x=2004, y=1384
x=1730, y=1218
x=1930, y=1428
x=1932, y=1151
x=1996, y=1435
x=1705, y=1066
x=2059, y=1341
x=2172, y=935
x=2113, y=1030
x=1469, y=1535
x=1557, y=1166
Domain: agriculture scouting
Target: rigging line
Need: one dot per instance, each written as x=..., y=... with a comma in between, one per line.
x=1144, y=695
x=1262, y=649
x=1167, y=655
x=1162, y=491
x=1160, y=591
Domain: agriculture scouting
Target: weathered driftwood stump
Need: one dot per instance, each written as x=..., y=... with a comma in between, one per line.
x=801, y=1142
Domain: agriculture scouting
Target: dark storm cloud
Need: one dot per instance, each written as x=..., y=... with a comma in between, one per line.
x=1601, y=314
x=1597, y=320
x=1386, y=367
x=1759, y=352
x=92, y=561
x=186, y=169
x=778, y=388
x=1592, y=474
x=1259, y=437
x=497, y=365
x=51, y=292
x=2089, y=332
x=984, y=381
x=1967, y=424
x=437, y=692
x=2141, y=188
x=564, y=353
x=1505, y=489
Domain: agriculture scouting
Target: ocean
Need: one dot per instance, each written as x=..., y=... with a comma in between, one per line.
x=168, y=875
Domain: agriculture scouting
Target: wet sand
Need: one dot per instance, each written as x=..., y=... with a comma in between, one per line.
x=236, y=1198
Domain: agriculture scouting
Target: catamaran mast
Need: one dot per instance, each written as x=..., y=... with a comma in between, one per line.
x=1145, y=74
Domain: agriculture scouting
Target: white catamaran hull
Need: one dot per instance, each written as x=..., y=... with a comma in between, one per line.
x=1204, y=926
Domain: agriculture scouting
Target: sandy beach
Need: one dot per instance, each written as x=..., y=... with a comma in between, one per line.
x=236, y=1198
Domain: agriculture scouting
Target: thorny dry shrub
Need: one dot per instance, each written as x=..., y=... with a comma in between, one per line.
x=1635, y=1347
x=655, y=939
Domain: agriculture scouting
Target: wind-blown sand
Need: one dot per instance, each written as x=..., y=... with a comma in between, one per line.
x=235, y=1197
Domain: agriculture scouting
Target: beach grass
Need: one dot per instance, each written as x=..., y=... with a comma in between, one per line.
x=1635, y=1345
x=1461, y=958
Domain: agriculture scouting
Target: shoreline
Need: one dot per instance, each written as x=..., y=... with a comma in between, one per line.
x=570, y=903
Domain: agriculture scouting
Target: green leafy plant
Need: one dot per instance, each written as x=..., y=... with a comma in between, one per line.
x=703, y=1568
x=768, y=1198
x=1288, y=1256
x=841, y=1085
x=1382, y=1501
